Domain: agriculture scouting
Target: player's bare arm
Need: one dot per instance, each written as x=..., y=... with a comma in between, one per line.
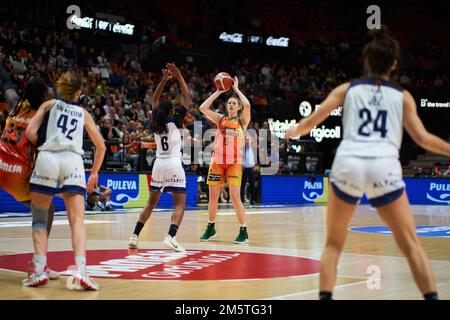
x=417, y=131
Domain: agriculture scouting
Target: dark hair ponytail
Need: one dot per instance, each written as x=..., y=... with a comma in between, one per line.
x=381, y=52
x=36, y=92
x=159, y=118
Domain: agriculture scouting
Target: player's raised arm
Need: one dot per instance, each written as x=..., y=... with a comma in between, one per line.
x=167, y=75
x=246, y=112
x=418, y=132
x=32, y=130
x=100, y=150
x=334, y=100
x=205, y=107
x=185, y=97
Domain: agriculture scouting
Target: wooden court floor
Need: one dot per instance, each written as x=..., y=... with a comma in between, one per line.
x=280, y=262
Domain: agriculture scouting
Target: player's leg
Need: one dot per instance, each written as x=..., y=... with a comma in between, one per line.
x=179, y=199
x=51, y=215
x=107, y=199
x=37, y=274
x=398, y=216
x=145, y=214
x=74, y=203
x=346, y=188
x=234, y=178
x=43, y=186
x=339, y=213
x=215, y=180
x=213, y=206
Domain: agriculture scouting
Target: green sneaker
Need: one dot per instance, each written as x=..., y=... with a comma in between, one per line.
x=210, y=233
x=242, y=236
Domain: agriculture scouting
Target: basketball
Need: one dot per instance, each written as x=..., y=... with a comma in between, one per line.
x=223, y=81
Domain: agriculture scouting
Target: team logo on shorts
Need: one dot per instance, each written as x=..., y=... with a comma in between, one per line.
x=214, y=177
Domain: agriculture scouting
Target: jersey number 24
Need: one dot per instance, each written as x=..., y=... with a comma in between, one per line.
x=379, y=124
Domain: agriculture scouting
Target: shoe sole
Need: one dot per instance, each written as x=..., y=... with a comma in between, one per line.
x=212, y=237
x=38, y=284
x=53, y=277
x=243, y=242
x=171, y=246
x=87, y=286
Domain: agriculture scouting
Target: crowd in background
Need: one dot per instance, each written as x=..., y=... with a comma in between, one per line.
x=118, y=89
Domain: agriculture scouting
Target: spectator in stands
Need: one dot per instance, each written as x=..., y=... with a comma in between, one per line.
x=249, y=170
x=447, y=172
x=436, y=172
x=420, y=173
x=99, y=199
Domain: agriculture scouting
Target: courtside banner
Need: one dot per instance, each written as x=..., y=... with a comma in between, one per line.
x=299, y=190
x=130, y=190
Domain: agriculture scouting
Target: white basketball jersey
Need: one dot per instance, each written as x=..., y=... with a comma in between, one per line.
x=62, y=128
x=169, y=144
x=372, y=119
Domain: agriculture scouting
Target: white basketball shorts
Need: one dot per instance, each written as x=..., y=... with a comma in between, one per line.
x=380, y=179
x=57, y=172
x=168, y=176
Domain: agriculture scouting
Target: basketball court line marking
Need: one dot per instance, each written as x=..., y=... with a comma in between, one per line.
x=283, y=297
x=302, y=253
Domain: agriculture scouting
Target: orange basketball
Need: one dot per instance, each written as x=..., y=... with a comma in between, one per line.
x=223, y=81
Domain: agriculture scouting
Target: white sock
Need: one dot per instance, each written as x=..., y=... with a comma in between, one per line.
x=80, y=261
x=244, y=225
x=108, y=203
x=40, y=262
x=211, y=221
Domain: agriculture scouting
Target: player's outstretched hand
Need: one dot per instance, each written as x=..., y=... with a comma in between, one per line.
x=92, y=182
x=173, y=69
x=235, y=84
x=221, y=91
x=167, y=75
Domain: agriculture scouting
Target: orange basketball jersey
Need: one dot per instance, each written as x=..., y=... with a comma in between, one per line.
x=13, y=141
x=229, y=143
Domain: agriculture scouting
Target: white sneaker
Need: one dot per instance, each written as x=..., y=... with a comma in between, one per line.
x=34, y=279
x=82, y=280
x=52, y=274
x=173, y=244
x=133, y=244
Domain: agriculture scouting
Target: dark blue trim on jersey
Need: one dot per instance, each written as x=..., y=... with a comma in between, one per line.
x=155, y=189
x=175, y=189
x=387, y=198
x=344, y=196
x=70, y=102
x=169, y=189
x=373, y=81
x=72, y=189
x=42, y=131
x=42, y=189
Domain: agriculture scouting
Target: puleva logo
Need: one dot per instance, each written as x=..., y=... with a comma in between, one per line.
x=422, y=231
x=125, y=188
x=436, y=192
x=313, y=190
